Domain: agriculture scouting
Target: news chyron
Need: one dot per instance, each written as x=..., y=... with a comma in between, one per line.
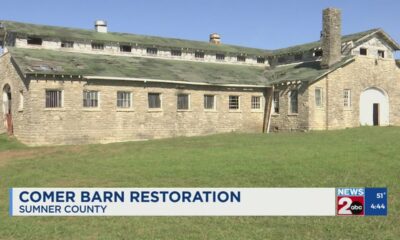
x=361, y=201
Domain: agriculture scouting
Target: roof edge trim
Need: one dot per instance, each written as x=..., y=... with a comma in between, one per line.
x=170, y=81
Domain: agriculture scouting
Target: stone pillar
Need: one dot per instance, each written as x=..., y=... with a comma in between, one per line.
x=331, y=37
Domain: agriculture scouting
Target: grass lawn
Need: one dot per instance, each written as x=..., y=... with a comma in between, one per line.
x=361, y=157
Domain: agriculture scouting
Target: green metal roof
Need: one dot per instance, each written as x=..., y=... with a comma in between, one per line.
x=31, y=61
x=63, y=33
x=317, y=44
x=306, y=71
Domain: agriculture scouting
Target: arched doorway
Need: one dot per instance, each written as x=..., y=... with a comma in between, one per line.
x=7, y=109
x=374, y=107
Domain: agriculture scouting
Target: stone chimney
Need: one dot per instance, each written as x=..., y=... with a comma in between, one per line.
x=331, y=37
x=215, y=38
x=100, y=26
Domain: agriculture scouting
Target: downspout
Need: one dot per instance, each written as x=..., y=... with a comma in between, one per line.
x=270, y=108
x=327, y=104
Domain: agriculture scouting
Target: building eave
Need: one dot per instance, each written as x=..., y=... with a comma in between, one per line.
x=170, y=81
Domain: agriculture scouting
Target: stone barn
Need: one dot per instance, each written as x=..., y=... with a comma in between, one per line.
x=74, y=86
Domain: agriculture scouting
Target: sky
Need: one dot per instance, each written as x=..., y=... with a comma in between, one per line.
x=253, y=23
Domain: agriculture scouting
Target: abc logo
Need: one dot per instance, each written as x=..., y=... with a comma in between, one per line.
x=350, y=205
x=356, y=208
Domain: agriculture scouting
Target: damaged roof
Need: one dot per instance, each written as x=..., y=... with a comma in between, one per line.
x=35, y=61
x=64, y=33
x=357, y=38
x=304, y=71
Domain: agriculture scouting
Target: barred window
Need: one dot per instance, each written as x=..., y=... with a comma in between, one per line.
x=276, y=101
x=209, y=102
x=255, y=102
x=67, y=44
x=97, y=46
x=260, y=60
x=220, y=57
x=241, y=58
x=347, y=98
x=381, y=53
x=176, y=53
x=124, y=99
x=154, y=100
x=293, y=97
x=53, y=98
x=183, y=102
x=233, y=102
x=90, y=99
x=318, y=97
x=199, y=54
x=125, y=48
x=152, y=51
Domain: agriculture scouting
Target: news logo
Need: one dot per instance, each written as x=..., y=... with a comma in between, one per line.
x=361, y=201
x=350, y=201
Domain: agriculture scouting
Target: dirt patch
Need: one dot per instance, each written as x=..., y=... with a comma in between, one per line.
x=12, y=155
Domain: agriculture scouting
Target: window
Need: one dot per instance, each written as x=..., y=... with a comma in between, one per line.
x=152, y=51
x=298, y=57
x=347, y=98
x=125, y=48
x=53, y=98
x=154, y=100
x=176, y=53
x=34, y=41
x=318, y=97
x=241, y=58
x=90, y=99
x=220, y=57
x=209, y=102
x=255, y=102
x=183, y=102
x=233, y=102
x=124, y=99
x=318, y=53
x=276, y=102
x=261, y=60
x=97, y=46
x=381, y=53
x=199, y=54
x=67, y=44
x=363, y=51
x=281, y=59
x=293, y=101
x=21, y=101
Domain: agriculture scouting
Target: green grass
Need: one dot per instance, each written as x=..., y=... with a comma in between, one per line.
x=356, y=157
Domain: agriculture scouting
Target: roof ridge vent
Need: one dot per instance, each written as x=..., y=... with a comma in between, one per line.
x=100, y=26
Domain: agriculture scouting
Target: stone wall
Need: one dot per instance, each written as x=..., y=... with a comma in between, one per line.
x=365, y=72
x=74, y=124
x=286, y=121
x=372, y=46
x=20, y=112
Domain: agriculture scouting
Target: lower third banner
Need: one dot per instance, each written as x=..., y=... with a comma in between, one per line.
x=197, y=201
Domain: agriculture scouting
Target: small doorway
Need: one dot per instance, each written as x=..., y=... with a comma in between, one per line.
x=7, y=109
x=375, y=114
